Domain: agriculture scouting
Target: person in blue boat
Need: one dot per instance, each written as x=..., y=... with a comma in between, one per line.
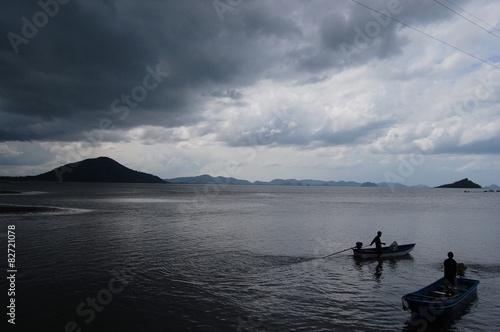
x=450, y=274
x=378, y=243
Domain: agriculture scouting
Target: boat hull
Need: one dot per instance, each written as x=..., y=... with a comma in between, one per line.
x=431, y=302
x=402, y=250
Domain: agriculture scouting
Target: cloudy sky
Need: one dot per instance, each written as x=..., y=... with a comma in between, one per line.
x=404, y=91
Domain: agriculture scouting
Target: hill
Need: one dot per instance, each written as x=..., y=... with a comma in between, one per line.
x=102, y=169
x=464, y=183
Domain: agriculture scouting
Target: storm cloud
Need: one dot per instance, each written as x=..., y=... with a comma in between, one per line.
x=107, y=77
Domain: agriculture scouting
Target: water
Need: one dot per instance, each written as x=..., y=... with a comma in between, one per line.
x=121, y=257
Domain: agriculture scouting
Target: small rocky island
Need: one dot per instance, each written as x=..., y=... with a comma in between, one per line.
x=465, y=183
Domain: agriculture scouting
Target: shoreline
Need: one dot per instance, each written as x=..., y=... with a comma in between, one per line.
x=18, y=209
x=10, y=192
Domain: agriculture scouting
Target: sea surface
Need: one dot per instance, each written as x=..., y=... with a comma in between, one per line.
x=161, y=257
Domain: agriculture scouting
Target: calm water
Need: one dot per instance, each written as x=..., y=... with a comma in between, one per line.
x=242, y=258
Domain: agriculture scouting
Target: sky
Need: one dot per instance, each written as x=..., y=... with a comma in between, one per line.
x=380, y=91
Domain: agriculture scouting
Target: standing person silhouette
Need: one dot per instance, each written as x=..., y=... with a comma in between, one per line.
x=450, y=274
x=378, y=243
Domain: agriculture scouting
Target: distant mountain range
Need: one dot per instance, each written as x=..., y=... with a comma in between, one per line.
x=220, y=180
x=207, y=179
x=104, y=169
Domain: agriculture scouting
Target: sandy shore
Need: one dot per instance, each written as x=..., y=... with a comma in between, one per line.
x=8, y=209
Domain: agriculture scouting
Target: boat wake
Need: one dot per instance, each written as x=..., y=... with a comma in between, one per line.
x=484, y=270
x=224, y=263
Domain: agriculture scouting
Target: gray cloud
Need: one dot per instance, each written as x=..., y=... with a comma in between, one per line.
x=280, y=74
x=358, y=134
x=92, y=52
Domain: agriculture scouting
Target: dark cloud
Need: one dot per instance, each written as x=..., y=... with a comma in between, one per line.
x=67, y=73
x=358, y=34
x=77, y=62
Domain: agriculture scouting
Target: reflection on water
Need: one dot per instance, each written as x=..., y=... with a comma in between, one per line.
x=244, y=257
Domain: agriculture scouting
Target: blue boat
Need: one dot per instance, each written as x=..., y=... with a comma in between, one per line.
x=433, y=302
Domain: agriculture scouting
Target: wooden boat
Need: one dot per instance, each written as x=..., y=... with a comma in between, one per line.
x=388, y=252
x=432, y=302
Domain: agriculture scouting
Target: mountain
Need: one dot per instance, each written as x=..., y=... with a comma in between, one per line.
x=492, y=186
x=464, y=183
x=102, y=169
x=207, y=179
